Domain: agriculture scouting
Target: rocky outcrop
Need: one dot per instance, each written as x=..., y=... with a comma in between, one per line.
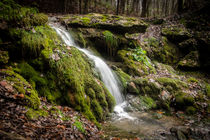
x=113, y=23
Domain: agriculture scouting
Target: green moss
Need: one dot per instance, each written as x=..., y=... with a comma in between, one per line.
x=171, y=84
x=147, y=88
x=22, y=87
x=132, y=67
x=35, y=114
x=110, y=100
x=183, y=100
x=4, y=57
x=98, y=111
x=191, y=110
x=208, y=90
x=176, y=34
x=16, y=15
x=102, y=21
x=111, y=42
x=39, y=19
x=79, y=126
x=192, y=80
x=149, y=101
x=123, y=77
x=86, y=20
x=91, y=93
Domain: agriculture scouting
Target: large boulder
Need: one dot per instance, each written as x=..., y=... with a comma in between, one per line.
x=114, y=23
x=176, y=34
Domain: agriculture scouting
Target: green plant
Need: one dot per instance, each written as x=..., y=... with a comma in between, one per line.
x=140, y=55
x=79, y=126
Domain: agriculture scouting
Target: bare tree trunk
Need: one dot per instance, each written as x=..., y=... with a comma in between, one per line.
x=80, y=6
x=180, y=6
x=118, y=6
x=86, y=6
x=144, y=8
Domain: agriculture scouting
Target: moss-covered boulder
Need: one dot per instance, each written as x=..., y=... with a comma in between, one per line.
x=142, y=103
x=20, y=88
x=171, y=84
x=147, y=87
x=16, y=15
x=135, y=62
x=108, y=22
x=176, y=34
x=161, y=50
x=183, y=100
x=190, y=61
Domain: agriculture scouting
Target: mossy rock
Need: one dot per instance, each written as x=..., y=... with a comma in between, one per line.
x=132, y=88
x=143, y=103
x=190, y=61
x=190, y=110
x=165, y=52
x=22, y=87
x=123, y=77
x=183, y=100
x=147, y=87
x=108, y=22
x=134, y=67
x=4, y=57
x=75, y=75
x=31, y=43
x=172, y=85
x=176, y=34
x=44, y=84
x=16, y=15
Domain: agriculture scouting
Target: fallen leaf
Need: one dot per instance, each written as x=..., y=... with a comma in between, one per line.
x=61, y=126
x=3, y=83
x=21, y=95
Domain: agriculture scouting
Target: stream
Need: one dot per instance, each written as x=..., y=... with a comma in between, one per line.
x=124, y=122
x=107, y=76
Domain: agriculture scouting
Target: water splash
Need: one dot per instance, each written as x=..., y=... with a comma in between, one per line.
x=105, y=72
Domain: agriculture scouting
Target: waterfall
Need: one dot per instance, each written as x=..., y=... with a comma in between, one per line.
x=105, y=72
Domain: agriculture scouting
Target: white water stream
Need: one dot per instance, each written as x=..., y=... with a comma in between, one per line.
x=105, y=72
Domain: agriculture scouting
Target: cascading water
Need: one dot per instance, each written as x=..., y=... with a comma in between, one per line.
x=105, y=72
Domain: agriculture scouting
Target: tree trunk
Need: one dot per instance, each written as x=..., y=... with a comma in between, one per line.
x=118, y=6
x=180, y=6
x=144, y=8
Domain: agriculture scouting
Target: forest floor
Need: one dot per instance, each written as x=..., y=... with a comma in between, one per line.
x=62, y=122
